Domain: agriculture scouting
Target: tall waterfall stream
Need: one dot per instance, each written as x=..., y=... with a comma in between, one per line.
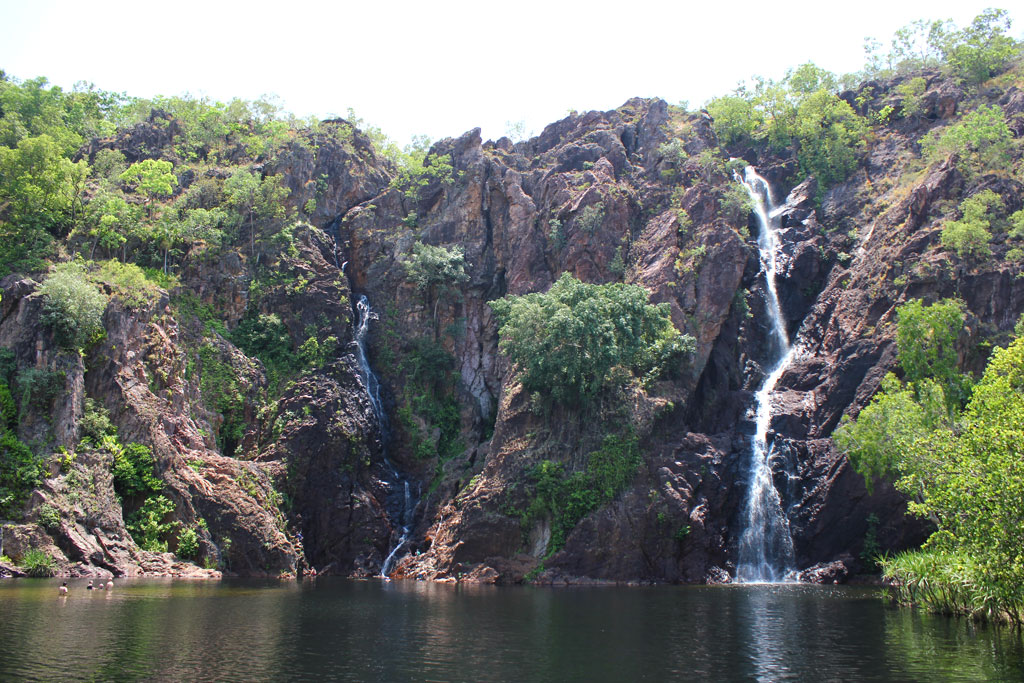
x=401, y=504
x=766, y=546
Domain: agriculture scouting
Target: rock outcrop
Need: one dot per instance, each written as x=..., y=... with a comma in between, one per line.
x=638, y=194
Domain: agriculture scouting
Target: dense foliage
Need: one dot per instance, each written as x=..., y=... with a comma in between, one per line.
x=972, y=53
x=802, y=111
x=72, y=306
x=962, y=468
x=578, y=339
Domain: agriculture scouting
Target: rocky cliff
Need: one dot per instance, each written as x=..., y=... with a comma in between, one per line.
x=643, y=194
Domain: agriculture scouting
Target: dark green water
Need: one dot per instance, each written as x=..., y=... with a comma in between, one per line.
x=402, y=631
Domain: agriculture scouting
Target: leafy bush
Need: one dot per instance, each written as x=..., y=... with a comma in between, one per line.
x=982, y=49
x=133, y=469
x=128, y=282
x=963, y=472
x=49, y=517
x=829, y=135
x=969, y=237
x=154, y=177
x=267, y=338
x=568, y=498
x=674, y=152
x=430, y=393
x=20, y=472
x=877, y=442
x=973, y=53
x=108, y=163
x=38, y=387
x=910, y=92
x=188, y=544
x=39, y=186
x=188, y=306
x=735, y=205
x=590, y=217
x=417, y=168
x=72, y=306
x=8, y=408
x=577, y=339
x=436, y=271
x=95, y=423
x=555, y=234
x=735, y=119
x=981, y=140
x=38, y=564
x=222, y=392
x=146, y=524
x=926, y=338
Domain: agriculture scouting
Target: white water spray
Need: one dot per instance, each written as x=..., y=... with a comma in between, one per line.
x=766, y=547
x=403, y=501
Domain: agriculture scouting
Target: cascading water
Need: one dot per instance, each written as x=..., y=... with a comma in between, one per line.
x=766, y=547
x=400, y=502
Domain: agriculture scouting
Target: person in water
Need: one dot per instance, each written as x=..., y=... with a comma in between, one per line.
x=89, y=587
x=63, y=590
x=110, y=584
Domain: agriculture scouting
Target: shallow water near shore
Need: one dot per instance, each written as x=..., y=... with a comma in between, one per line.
x=404, y=631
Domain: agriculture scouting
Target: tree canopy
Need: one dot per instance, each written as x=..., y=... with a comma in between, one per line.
x=578, y=339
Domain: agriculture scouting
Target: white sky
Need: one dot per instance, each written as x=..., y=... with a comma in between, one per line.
x=440, y=68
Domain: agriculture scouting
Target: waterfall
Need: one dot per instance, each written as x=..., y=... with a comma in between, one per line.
x=364, y=314
x=766, y=547
x=401, y=504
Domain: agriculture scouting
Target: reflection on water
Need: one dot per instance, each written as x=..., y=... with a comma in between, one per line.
x=398, y=631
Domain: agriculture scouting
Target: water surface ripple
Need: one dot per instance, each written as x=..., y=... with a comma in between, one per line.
x=407, y=631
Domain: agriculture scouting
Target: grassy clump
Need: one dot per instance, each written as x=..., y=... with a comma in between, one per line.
x=566, y=498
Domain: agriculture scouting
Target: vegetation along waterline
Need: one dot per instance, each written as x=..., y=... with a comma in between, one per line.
x=237, y=342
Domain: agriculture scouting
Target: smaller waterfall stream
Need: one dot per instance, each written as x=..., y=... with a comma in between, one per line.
x=766, y=546
x=401, y=503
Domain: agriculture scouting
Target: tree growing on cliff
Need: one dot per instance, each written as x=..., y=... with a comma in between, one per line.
x=969, y=479
x=576, y=340
x=72, y=306
x=926, y=337
x=154, y=178
x=982, y=49
x=830, y=135
x=961, y=468
x=435, y=271
x=969, y=237
x=39, y=187
x=980, y=141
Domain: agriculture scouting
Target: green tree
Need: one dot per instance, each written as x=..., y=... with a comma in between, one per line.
x=969, y=237
x=436, y=271
x=111, y=222
x=911, y=92
x=830, y=135
x=154, y=178
x=256, y=197
x=417, y=167
x=72, y=306
x=926, y=339
x=31, y=109
x=735, y=119
x=981, y=140
x=41, y=188
x=577, y=339
x=981, y=50
x=880, y=439
x=970, y=483
x=808, y=78
x=241, y=190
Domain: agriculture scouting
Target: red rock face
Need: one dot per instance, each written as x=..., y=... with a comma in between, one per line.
x=841, y=281
x=598, y=195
